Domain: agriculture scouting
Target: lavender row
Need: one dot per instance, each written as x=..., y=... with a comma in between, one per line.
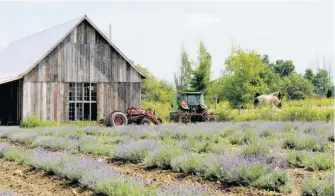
x=91, y=174
x=248, y=142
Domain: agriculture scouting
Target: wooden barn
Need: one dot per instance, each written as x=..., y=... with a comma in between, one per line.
x=67, y=73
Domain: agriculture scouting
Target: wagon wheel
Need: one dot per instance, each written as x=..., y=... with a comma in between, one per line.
x=119, y=119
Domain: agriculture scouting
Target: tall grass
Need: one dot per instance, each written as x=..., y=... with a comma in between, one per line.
x=291, y=111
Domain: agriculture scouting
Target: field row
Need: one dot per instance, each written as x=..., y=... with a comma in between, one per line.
x=242, y=154
x=96, y=176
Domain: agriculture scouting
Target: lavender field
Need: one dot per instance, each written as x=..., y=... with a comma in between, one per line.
x=261, y=155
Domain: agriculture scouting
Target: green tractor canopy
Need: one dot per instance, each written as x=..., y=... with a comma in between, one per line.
x=189, y=106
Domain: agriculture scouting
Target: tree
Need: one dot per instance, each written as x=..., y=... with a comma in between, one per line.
x=283, y=68
x=309, y=75
x=182, y=82
x=296, y=87
x=265, y=59
x=271, y=79
x=201, y=75
x=154, y=89
x=321, y=82
x=243, y=79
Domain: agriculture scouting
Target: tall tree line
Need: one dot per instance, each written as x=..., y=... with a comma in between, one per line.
x=247, y=73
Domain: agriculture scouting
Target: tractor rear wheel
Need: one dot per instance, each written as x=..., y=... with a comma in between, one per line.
x=119, y=119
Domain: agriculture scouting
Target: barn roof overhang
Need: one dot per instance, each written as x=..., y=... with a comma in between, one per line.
x=33, y=49
x=9, y=79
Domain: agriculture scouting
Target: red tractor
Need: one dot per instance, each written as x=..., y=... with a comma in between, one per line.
x=132, y=116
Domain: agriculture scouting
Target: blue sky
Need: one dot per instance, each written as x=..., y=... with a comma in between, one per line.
x=152, y=33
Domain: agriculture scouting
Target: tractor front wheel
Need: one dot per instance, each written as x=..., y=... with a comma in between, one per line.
x=186, y=118
x=145, y=121
x=205, y=117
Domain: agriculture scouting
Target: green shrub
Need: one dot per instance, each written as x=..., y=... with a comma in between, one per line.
x=33, y=121
x=248, y=174
x=321, y=162
x=236, y=137
x=275, y=181
x=313, y=187
x=254, y=149
x=16, y=155
x=297, y=159
x=311, y=143
x=189, y=164
x=250, y=136
x=290, y=141
x=289, y=129
x=268, y=133
x=162, y=157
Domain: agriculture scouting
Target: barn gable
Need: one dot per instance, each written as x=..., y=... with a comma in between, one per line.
x=45, y=45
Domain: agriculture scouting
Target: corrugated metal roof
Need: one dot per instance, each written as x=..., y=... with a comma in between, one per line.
x=22, y=55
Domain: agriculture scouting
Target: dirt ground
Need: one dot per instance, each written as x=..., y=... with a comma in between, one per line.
x=25, y=181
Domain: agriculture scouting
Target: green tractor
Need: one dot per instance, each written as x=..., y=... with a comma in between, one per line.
x=189, y=107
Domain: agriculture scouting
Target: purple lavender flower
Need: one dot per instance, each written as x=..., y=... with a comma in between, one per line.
x=93, y=177
x=135, y=151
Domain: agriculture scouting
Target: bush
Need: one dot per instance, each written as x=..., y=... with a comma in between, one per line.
x=33, y=121
x=290, y=142
x=134, y=151
x=16, y=155
x=189, y=164
x=255, y=149
x=297, y=159
x=162, y=157
x=321, y=162
x=275, y=181
x=311, y=143
x=250, y=136
x=312, y=187
x=268, y=133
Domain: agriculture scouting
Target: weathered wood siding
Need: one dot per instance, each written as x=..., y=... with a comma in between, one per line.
x=83, y=56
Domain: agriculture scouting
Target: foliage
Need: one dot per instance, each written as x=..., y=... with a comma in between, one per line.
x=283, y=68
x=96, y=176
x=33, y=121
x=182, y=82
x=309, y=75
x=274, y=181
x=248, y=156
x=296, y=87
x=311, y=187
x=154, y=89
x=321, y=82
x=202, y=72
x=243, y=79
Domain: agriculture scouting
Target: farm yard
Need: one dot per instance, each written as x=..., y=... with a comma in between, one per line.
x=259, y=158
x=190, y=111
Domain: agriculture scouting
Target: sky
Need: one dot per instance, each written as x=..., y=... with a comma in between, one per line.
x=153, y=33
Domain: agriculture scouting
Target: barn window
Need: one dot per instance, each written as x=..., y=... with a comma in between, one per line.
x=82, y=101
